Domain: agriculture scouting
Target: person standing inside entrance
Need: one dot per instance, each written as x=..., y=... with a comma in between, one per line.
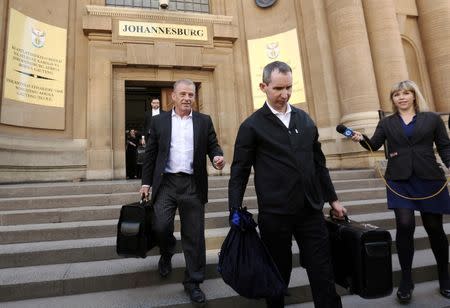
x=130, y=154
x=175, y=168
x=149, y=114
x=292, y=183
x=413, y=172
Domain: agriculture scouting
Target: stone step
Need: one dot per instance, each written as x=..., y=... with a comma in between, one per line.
x=95, y=249
x=215, y=195
x=426, y=294
x=341, y=186
x=85, y=277
x=361, y=193
x=70, y=214
x=105, y=228
x=82, y=229
x=52, y=202
x=116, y=186
x=63, y=243
x=68, y=188
x=91, y=229
x=352, y=174
x=105, y=212
x=26, y=242
x=84, y=188
x=220, y=295
x=83, y=213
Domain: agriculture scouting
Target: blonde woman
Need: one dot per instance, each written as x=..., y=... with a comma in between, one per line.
x=413, y=171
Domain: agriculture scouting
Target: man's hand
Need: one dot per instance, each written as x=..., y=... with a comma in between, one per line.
x=145, y=191
x=218, y=162
x=338, y=210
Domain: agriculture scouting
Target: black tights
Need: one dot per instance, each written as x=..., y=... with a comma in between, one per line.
x=432, y=223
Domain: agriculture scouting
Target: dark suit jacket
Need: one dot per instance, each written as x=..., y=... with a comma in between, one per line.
x=288, y=166
x=148, y=121
x=415, y=155
x=158, y=147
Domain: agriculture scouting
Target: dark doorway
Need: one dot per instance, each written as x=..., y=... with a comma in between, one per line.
x=137, y=99
x=138, y=95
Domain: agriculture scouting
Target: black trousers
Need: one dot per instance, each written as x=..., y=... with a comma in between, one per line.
x=180, y=192
x=309, y=230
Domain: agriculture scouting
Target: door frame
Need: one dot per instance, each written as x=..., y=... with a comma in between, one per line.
x=206, y=97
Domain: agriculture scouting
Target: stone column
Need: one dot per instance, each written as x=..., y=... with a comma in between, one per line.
x=386, y=47
x=434, y=25
x=320, y=61
x=353, y=63
x=99, y=108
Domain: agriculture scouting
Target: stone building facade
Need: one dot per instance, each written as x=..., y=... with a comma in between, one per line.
x=351, y=52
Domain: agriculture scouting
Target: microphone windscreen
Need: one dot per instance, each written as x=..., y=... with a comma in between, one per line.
x=341, y=128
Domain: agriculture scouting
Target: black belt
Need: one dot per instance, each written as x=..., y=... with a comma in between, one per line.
x=179, y=174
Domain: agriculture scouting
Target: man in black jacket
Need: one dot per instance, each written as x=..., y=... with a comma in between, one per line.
x=175, y=168
x=149, y=114
x=292, y=183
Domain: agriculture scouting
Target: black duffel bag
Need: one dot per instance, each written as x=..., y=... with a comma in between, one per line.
x=134, y=230
x=245, y=263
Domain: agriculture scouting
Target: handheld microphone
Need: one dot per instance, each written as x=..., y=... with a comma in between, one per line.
x=342, y=129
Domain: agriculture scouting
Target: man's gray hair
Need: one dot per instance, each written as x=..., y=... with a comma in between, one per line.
x=184, y=81
x=274, y=66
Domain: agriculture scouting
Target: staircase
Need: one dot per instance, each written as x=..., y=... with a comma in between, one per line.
x=57, y=245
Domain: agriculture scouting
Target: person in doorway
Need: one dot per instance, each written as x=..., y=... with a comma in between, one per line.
x=292, y=183
x=413, y=172
x=131, y=152
x=149, y=114
x=140, y=154
x=175, y=168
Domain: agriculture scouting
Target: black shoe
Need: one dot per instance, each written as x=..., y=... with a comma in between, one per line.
x=404, y=292
x=445, y=293
x=195, y=293
x=444, y=287
x=165, y=266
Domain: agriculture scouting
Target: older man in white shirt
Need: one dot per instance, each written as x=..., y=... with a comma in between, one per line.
x=175, y=168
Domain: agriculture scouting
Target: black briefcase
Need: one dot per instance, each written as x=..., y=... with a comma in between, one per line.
x=361, y=255
x=134, y=231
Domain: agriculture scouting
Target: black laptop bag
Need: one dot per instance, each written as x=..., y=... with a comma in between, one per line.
x=361, y=255
x=134, y=231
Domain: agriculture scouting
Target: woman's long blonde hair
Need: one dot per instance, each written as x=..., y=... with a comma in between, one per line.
x=409, y=86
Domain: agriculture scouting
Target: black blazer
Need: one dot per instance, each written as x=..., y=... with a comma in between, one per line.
x=148, y=121
x=158, y=147
x=415, y=155
x=289, y=164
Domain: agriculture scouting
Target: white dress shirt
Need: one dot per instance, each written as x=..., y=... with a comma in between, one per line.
x=181, y=153
x=284, y=117
x=155, y=112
